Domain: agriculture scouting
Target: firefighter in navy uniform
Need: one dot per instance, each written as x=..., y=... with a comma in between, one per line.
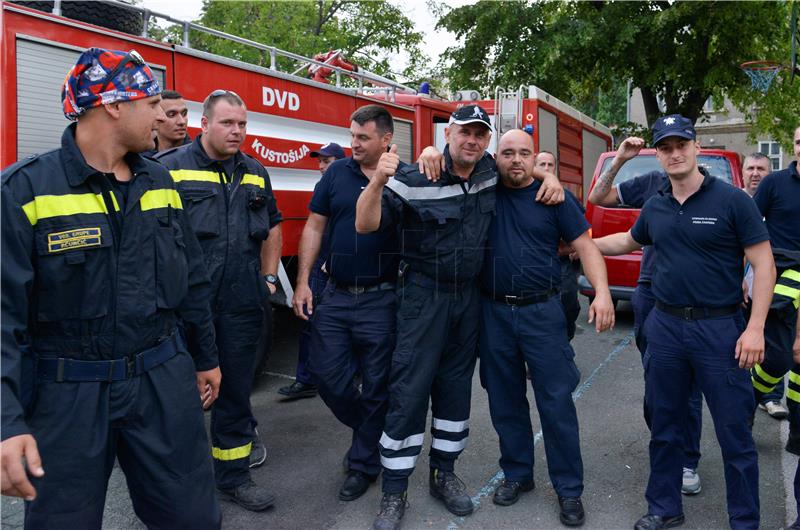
x=99, y=266
x=701, y=229
x=778, y=199
x=444, y=230
x=229, y=201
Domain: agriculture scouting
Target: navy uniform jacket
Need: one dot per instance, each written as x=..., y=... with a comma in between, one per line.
x=231, y=218
x=86, y=279
x=444, y=225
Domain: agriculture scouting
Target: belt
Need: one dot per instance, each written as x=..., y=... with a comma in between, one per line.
x=57, y=370
x=361, y=289
x=426, y=281
x=522, y=300
x=697, y=313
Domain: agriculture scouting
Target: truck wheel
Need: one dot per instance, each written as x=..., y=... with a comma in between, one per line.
x=106, y=15
x=264, y=347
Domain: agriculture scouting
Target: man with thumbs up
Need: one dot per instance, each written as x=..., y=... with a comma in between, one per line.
x=356, y=312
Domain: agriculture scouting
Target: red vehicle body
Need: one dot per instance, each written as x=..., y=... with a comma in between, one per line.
x=289, y=115
x=623, y=271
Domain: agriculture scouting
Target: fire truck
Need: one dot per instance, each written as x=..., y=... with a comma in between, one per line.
x=290, y=113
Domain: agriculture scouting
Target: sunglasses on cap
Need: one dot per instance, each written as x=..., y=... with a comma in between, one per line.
x=132, y=57
x=222, y=92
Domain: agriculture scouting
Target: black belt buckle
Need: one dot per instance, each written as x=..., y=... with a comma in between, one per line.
x=511, y=299
x=688, y=313
x=130, y=367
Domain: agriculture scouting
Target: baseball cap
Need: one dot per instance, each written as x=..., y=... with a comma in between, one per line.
x=102, y=76
x=673, y=125
x=470, y=114
x=329, y=149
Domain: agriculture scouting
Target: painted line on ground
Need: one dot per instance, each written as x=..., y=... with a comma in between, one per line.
x=493, y=482
x=276, y=374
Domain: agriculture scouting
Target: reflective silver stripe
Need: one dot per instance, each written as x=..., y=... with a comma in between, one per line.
x=449, y=446
x=424, y=193
x=399, y=462
x=483, y=185
x=395, y=445
x=450, y=426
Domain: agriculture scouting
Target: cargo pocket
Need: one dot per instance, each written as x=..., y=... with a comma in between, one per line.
x=73, y=271
x=172, y=269
x=409, y=304
x=201, y=206
x=438, y=216
x=569, y=353
x=258, y=213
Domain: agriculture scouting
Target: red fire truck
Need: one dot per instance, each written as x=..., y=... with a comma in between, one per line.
x=289, y=115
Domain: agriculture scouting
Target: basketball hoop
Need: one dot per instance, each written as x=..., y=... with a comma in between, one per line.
x=761, y=73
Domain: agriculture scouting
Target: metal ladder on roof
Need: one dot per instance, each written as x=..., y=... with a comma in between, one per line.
x=507, y=109
x=372, y=82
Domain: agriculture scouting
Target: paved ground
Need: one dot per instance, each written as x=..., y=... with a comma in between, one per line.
x=305, y=445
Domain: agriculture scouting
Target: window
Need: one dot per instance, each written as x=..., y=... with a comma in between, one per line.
x=773, y=152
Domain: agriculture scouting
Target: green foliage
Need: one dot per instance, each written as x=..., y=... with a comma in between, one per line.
x=678, y=52
x=368, y=32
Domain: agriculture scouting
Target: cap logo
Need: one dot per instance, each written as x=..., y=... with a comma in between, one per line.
x=476, y=113
x=669, y=121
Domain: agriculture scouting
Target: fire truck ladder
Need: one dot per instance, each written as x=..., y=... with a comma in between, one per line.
x=507, y=109
x=367, y=81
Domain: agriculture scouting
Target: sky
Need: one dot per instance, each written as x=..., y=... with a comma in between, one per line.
x=417, y=10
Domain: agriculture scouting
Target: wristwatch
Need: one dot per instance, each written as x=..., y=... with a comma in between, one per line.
x=271, y=278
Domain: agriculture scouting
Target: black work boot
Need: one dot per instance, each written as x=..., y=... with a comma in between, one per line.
x=249, y=495
x=656, y=522
x=508, y=492
x=448, y=488
x=298, y=390
x=393, y=507
x=572, y=513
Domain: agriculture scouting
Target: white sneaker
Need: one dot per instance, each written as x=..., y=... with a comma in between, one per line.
x=776, y=409
x=691, y=482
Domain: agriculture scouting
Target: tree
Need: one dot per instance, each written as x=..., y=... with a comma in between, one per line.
x=367, y=32
x=680, y=53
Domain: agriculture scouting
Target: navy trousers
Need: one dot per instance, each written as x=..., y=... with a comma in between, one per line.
x=316, y=281
x=679, y=352
x=153, y=424
x=345, y=326
x=536, y=335
x=434, y=361
x=569, y=293
x=231, y=416
x=643, y=302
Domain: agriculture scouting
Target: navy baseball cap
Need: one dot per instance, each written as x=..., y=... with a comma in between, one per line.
x=470, y=114
x=330, y=149
x=673, y=125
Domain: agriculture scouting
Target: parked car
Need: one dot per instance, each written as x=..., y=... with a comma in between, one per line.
x=623, y=271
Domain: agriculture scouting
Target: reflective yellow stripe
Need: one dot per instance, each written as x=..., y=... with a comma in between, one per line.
x=181, y=175
x=788, y=292
x=255, y=180
x=791, y=274
x=45, y=206
x=232, y=454
x=793, y=395
x=794, y=377
x=761, y=388
x=160, y=199
x=765, y=376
